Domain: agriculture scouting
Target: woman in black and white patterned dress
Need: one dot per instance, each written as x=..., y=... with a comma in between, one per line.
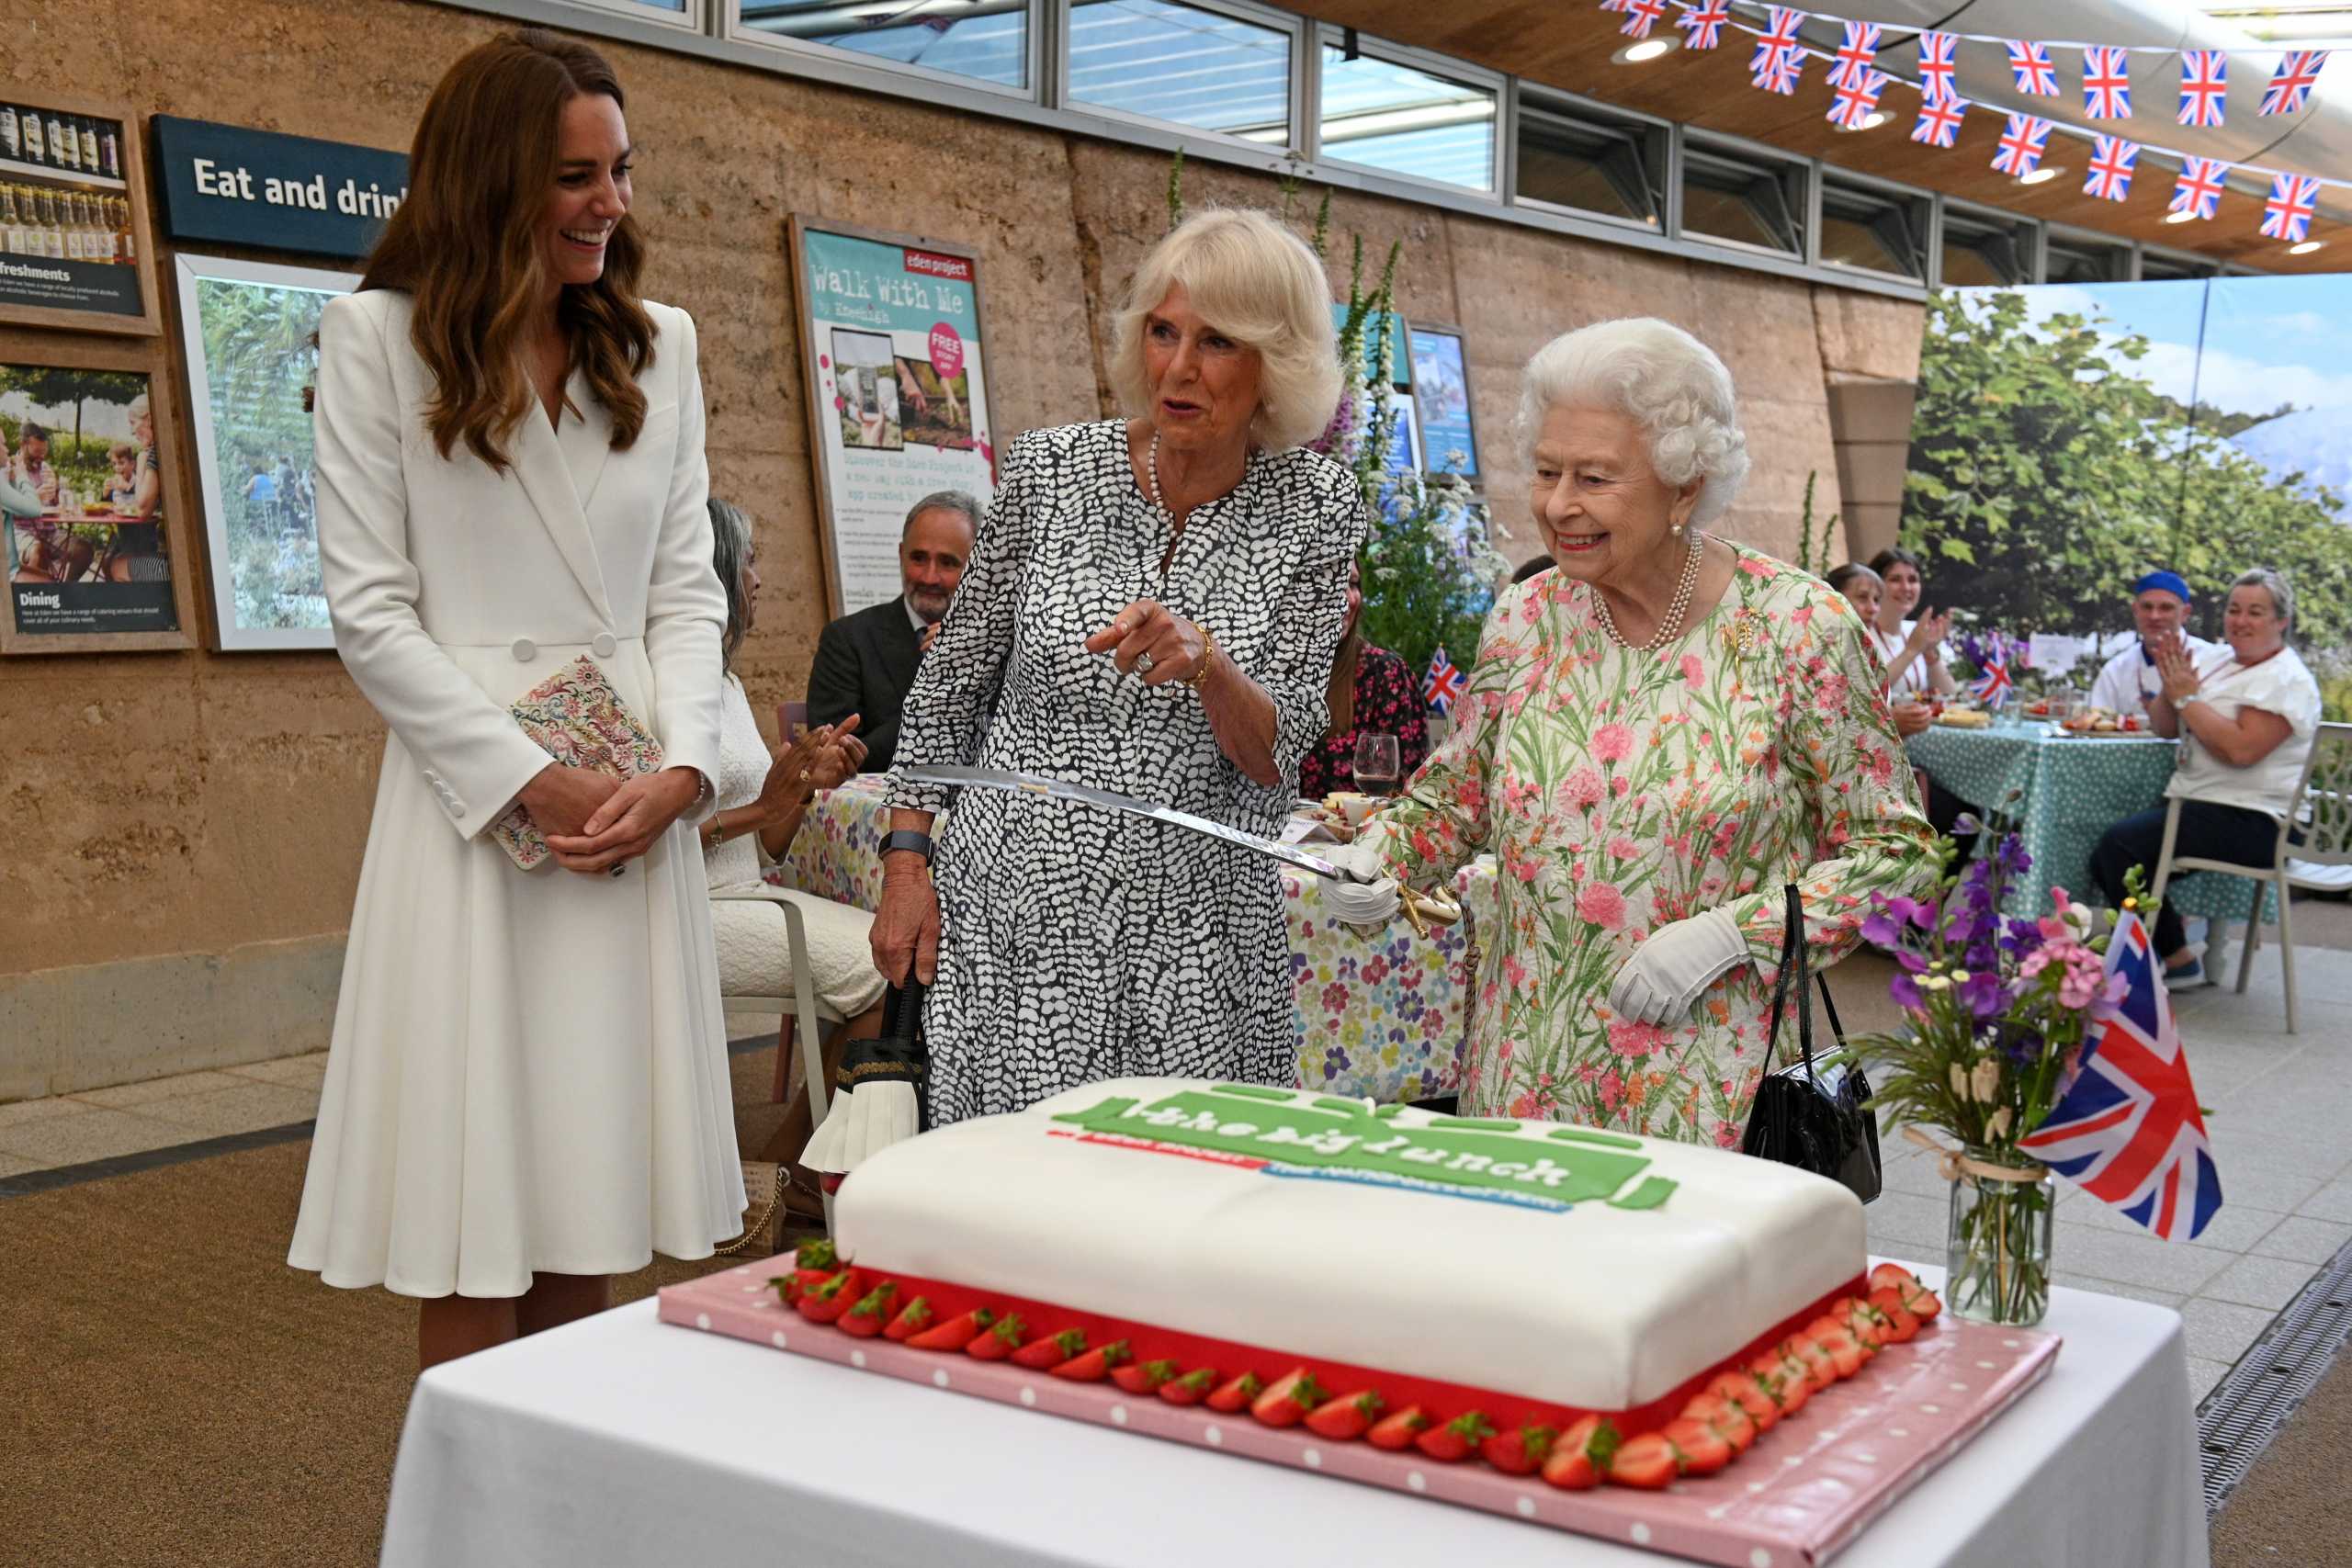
x=1151, y=607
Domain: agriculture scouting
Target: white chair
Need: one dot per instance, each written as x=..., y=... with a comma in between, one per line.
x=2325, y=792
x=803, y=1008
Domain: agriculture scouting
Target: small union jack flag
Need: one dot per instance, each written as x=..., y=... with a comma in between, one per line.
x=2288, y=214
x=1641, y=16
x=2204, y=85
x=2107, y=83
x=1858, y=100
x=1994, y=687
x=1856, y=55
x=2112, y=162
x=1936, y=68
x=1940, y=121
x=1778, y=41
x=1779, y=74
x=1704, y=23
x=1442, y=687
x=2022, y=145
x=1613, y=5
x=2036, y=75
x=2290, y=84
x=2127, y=1130
x=2198, y=189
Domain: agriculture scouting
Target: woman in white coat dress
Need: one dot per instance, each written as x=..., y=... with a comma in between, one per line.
x=529, y=1088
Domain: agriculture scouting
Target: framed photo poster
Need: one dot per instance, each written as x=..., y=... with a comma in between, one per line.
x=897, y=389
x=75, y=246
x=1442, y=385
x=94, y=565
x=248, y=328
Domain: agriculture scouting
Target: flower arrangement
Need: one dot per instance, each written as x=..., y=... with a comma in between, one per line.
x=1995, y=1008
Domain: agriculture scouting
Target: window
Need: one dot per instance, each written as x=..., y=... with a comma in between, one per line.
x=986, y=41
x=1183, y=64
x=2072, y=261
x=1744, y=201
x=1411, y=122
x=676, y=13
x=2156, y=266
x=1979, y=254
x=1880, y=234
x=1586, y=162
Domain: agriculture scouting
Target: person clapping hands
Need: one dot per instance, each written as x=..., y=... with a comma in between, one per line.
x=822, y=758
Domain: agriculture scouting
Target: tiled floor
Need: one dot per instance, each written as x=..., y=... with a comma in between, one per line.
x=2280, y=1110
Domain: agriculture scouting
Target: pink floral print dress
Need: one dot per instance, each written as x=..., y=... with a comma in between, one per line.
x=1618, y=791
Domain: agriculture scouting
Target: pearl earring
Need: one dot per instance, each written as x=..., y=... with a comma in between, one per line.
x=1678, y=530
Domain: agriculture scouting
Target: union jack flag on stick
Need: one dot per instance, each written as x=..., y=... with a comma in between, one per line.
x=2112, y=159
x=2198, y=189
x=1939, y=122
x=2022, y=145
x=2204, y=86
x=1704, y=23
x=2036, y=75
x=2290, y=84
x=2128, y=1131
x=2288, y=214
x=2107, y=83
x=1443, y=686
x=1937, y=82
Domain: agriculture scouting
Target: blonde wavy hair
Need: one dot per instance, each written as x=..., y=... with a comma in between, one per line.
x=1262, y=286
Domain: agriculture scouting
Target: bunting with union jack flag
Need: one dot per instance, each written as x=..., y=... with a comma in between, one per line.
x=1855, y=57
x=1936, y=79
x=1443, y=686
x=1641, y=16
x=2112, y=159
x=1704, y=23
x=2107, y=83
x=2288, y=214
x=2290, y=84
x=1857, y=99
x=1779, y=40
x=2197, y=192
x=2204, y=86
x=2128, y=1130
x=2036, y=74
x=1939, y=122
x=2023, y=145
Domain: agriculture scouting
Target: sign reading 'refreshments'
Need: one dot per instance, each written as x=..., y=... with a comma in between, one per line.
x=229, y=184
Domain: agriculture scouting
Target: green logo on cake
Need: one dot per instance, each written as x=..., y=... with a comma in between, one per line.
x=1295, y=1134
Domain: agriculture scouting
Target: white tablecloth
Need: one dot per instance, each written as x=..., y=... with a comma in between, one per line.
x=621, y=1439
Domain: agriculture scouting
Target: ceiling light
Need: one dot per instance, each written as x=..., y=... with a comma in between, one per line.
x=2306, y=248
x=1871, y=122
x=1648, y=48
x=2042, y=176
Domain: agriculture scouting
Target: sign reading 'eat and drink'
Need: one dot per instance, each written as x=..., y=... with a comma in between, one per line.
x=234, y=186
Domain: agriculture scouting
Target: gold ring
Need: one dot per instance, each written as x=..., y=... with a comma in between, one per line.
x=803, y=776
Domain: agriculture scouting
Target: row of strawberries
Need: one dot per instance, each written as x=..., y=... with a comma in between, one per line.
x=1717, y=1425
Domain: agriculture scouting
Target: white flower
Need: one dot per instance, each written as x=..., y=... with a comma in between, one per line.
x=1958, y=1082
x=1986, y=1079
x=1997, y=1126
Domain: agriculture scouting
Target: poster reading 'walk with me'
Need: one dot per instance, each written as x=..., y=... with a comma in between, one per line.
x=898, y=396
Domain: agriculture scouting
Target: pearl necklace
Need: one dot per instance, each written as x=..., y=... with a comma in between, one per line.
x=1151, y=476
x=1672, y=626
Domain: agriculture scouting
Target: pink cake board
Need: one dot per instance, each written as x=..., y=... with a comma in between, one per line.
x=1807, y=1487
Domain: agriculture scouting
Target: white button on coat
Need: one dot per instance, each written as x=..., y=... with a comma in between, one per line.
x=523, y=651
x=604, y=646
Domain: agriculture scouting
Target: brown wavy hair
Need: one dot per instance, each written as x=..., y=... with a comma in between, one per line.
x=465, y=246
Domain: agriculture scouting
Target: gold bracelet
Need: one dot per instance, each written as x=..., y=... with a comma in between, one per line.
x=1200, y=674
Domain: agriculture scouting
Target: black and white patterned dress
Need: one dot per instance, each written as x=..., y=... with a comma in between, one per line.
x=1080, y=945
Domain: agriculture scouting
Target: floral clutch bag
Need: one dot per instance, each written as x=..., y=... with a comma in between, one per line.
x=577, y=719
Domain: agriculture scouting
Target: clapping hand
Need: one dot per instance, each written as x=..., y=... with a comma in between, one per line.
x=822, y=757
x=1927, y=634
x=2176, y=670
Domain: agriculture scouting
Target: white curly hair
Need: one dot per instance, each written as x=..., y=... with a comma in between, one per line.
x=1662, y=378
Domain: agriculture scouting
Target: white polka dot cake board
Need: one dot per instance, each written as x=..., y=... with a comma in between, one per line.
x=1804, y=1490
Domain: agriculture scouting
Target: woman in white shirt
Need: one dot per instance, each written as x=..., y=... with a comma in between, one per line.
x=1911, y=650
x=2246, y=715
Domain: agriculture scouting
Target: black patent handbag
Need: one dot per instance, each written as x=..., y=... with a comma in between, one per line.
x=1814, y=1116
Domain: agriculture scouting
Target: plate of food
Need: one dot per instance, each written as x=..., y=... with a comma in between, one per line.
x=1965, y=719
x=2094, y=724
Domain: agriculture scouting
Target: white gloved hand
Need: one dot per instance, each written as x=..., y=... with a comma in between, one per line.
x=861, y=1124
x=1662, y=981
x=1369, y=894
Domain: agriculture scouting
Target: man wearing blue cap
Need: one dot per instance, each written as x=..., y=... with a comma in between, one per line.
x=2160, y=609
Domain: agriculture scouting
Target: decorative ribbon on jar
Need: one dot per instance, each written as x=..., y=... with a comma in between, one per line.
x=1956, y=1163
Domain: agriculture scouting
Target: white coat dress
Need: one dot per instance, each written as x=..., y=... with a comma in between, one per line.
x=529, y=1068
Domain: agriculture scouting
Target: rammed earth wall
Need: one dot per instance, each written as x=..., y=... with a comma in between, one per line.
x=184, y=830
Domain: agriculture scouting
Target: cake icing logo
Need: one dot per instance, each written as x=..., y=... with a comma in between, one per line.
x=1321, y=1137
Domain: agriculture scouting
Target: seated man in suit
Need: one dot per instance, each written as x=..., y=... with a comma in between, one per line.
x=866, y=661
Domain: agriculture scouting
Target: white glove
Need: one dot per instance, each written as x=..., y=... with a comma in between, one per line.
x=861, y=1124
x=1662, y=981
x=1369, y=894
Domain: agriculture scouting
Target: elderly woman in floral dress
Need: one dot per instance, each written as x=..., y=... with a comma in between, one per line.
x=1659, y=735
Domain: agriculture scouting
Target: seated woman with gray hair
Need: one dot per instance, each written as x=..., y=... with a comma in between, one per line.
x=1660, y=734
x=2246, y=714
x=1151, y=608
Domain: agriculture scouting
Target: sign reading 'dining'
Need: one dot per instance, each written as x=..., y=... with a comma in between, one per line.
x=229, y=184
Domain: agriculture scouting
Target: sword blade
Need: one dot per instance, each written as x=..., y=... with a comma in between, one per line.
x=1110, y=800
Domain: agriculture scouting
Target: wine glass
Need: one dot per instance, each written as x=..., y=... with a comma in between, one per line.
x=1377, y=765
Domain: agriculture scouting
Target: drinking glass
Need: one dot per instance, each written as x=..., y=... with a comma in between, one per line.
x=1376, y=767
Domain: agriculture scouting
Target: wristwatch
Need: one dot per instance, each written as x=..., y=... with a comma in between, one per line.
x=908, y=839
x=2186, y=698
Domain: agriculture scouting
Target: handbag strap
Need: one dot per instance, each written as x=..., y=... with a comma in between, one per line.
x=1792, y=962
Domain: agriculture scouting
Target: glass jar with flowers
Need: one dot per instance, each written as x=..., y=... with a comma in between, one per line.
x=1996, y=1009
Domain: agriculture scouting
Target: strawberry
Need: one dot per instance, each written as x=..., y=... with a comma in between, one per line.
x=1045, y=1354
x=1144, y=1379
x=1892, y=1277
x=787, y=1286
x=1455, y=1440
x=1398, y=1429
x=1580, y=1455
x=1727, y=1418
x=1904, y=1324
x=910, y=1319
x=1698, y=1449
x=1872, y=1327
x=865, y=1320
x=956, y=1333
x=1646, y=1461
x=1751, y=1397
x=826, y=1302
x=1817, y=1365
x=1288, y=1399
x=1190, y=1388
x=1345, y=1418
x=1003, y=1339
x=1521, y=1452
x=1232, y=1396
x=1845, y=1352
x=1092, y=1366
x=1785, y=1384
x=816, y=1253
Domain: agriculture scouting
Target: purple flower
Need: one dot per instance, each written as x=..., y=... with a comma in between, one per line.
x=2011, y=856
x=1983, y=993
x=1881, y=928
x=1915, y=964
x=1905, y=992
x=1919, y=912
